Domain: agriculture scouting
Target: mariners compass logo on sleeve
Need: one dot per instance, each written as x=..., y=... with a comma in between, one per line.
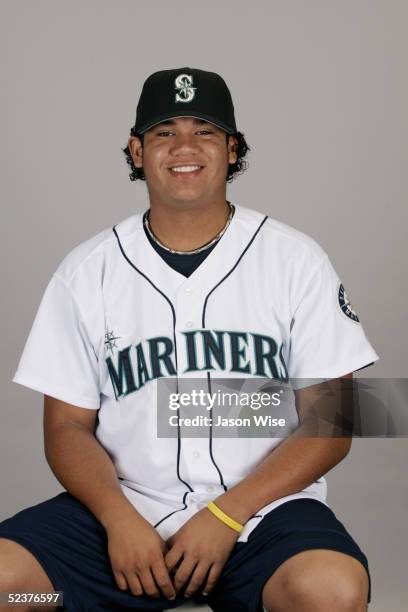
x=346, y=305
x=110, y=340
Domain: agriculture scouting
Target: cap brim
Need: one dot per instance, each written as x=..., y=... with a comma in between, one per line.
x=195, y=114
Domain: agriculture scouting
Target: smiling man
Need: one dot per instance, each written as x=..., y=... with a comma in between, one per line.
x=193, y=287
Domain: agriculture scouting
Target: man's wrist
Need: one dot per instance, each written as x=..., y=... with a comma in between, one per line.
x=234, y=506
x=115, y=511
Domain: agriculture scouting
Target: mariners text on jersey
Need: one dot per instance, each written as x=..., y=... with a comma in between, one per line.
x=222, y=350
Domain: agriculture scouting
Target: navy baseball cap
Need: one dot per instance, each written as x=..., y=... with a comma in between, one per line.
x=185, y=92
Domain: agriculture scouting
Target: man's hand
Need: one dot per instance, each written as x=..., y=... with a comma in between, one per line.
x=136, y=553
x=199, y=549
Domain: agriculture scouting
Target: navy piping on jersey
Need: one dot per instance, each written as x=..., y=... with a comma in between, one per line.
x=175, y=355
x=366, y=366
x=203, y=325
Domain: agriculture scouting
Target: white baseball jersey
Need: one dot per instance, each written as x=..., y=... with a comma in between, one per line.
x=115, y=318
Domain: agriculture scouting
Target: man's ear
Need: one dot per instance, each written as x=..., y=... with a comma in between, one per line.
x=232, y=150
x=136, y=150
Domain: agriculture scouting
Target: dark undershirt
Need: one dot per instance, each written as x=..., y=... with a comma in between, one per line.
x=184, y=264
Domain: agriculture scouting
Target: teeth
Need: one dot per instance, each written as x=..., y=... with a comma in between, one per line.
x=185, y=168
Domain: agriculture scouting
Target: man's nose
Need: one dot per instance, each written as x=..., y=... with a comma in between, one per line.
x=183, y=142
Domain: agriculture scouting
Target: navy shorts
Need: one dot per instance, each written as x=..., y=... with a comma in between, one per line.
x=71, y=545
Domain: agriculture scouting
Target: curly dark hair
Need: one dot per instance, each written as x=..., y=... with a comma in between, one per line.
x=233, y=169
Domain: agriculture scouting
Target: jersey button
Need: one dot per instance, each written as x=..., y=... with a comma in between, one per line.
x=210, y=489
x=189, y=323
x=196, y=454
x=188, y=290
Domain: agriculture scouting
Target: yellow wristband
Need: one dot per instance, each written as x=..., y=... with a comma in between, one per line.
x=224, y=517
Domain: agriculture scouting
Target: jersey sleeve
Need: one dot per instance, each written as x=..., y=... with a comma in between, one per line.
x=58, y=358
x=327, y=339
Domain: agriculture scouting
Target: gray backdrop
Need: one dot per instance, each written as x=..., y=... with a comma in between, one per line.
x=320, y=89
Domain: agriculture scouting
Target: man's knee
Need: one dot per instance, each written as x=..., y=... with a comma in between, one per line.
x=20, y=572
x=315, y=586
x=328, y=591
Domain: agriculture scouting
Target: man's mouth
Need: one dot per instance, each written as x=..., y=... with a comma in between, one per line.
x=187, y=170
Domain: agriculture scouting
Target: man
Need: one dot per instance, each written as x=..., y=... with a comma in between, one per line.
x=193, y=288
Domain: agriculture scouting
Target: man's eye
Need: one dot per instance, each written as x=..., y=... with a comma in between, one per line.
x=165, y=132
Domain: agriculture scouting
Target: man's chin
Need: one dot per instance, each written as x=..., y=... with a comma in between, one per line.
x=188, y=196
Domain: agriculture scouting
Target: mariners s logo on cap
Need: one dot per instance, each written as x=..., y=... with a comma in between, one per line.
x=183, y=83
x=345, y=304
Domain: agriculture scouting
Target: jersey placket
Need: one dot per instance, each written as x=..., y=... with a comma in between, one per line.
x=196, y=464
